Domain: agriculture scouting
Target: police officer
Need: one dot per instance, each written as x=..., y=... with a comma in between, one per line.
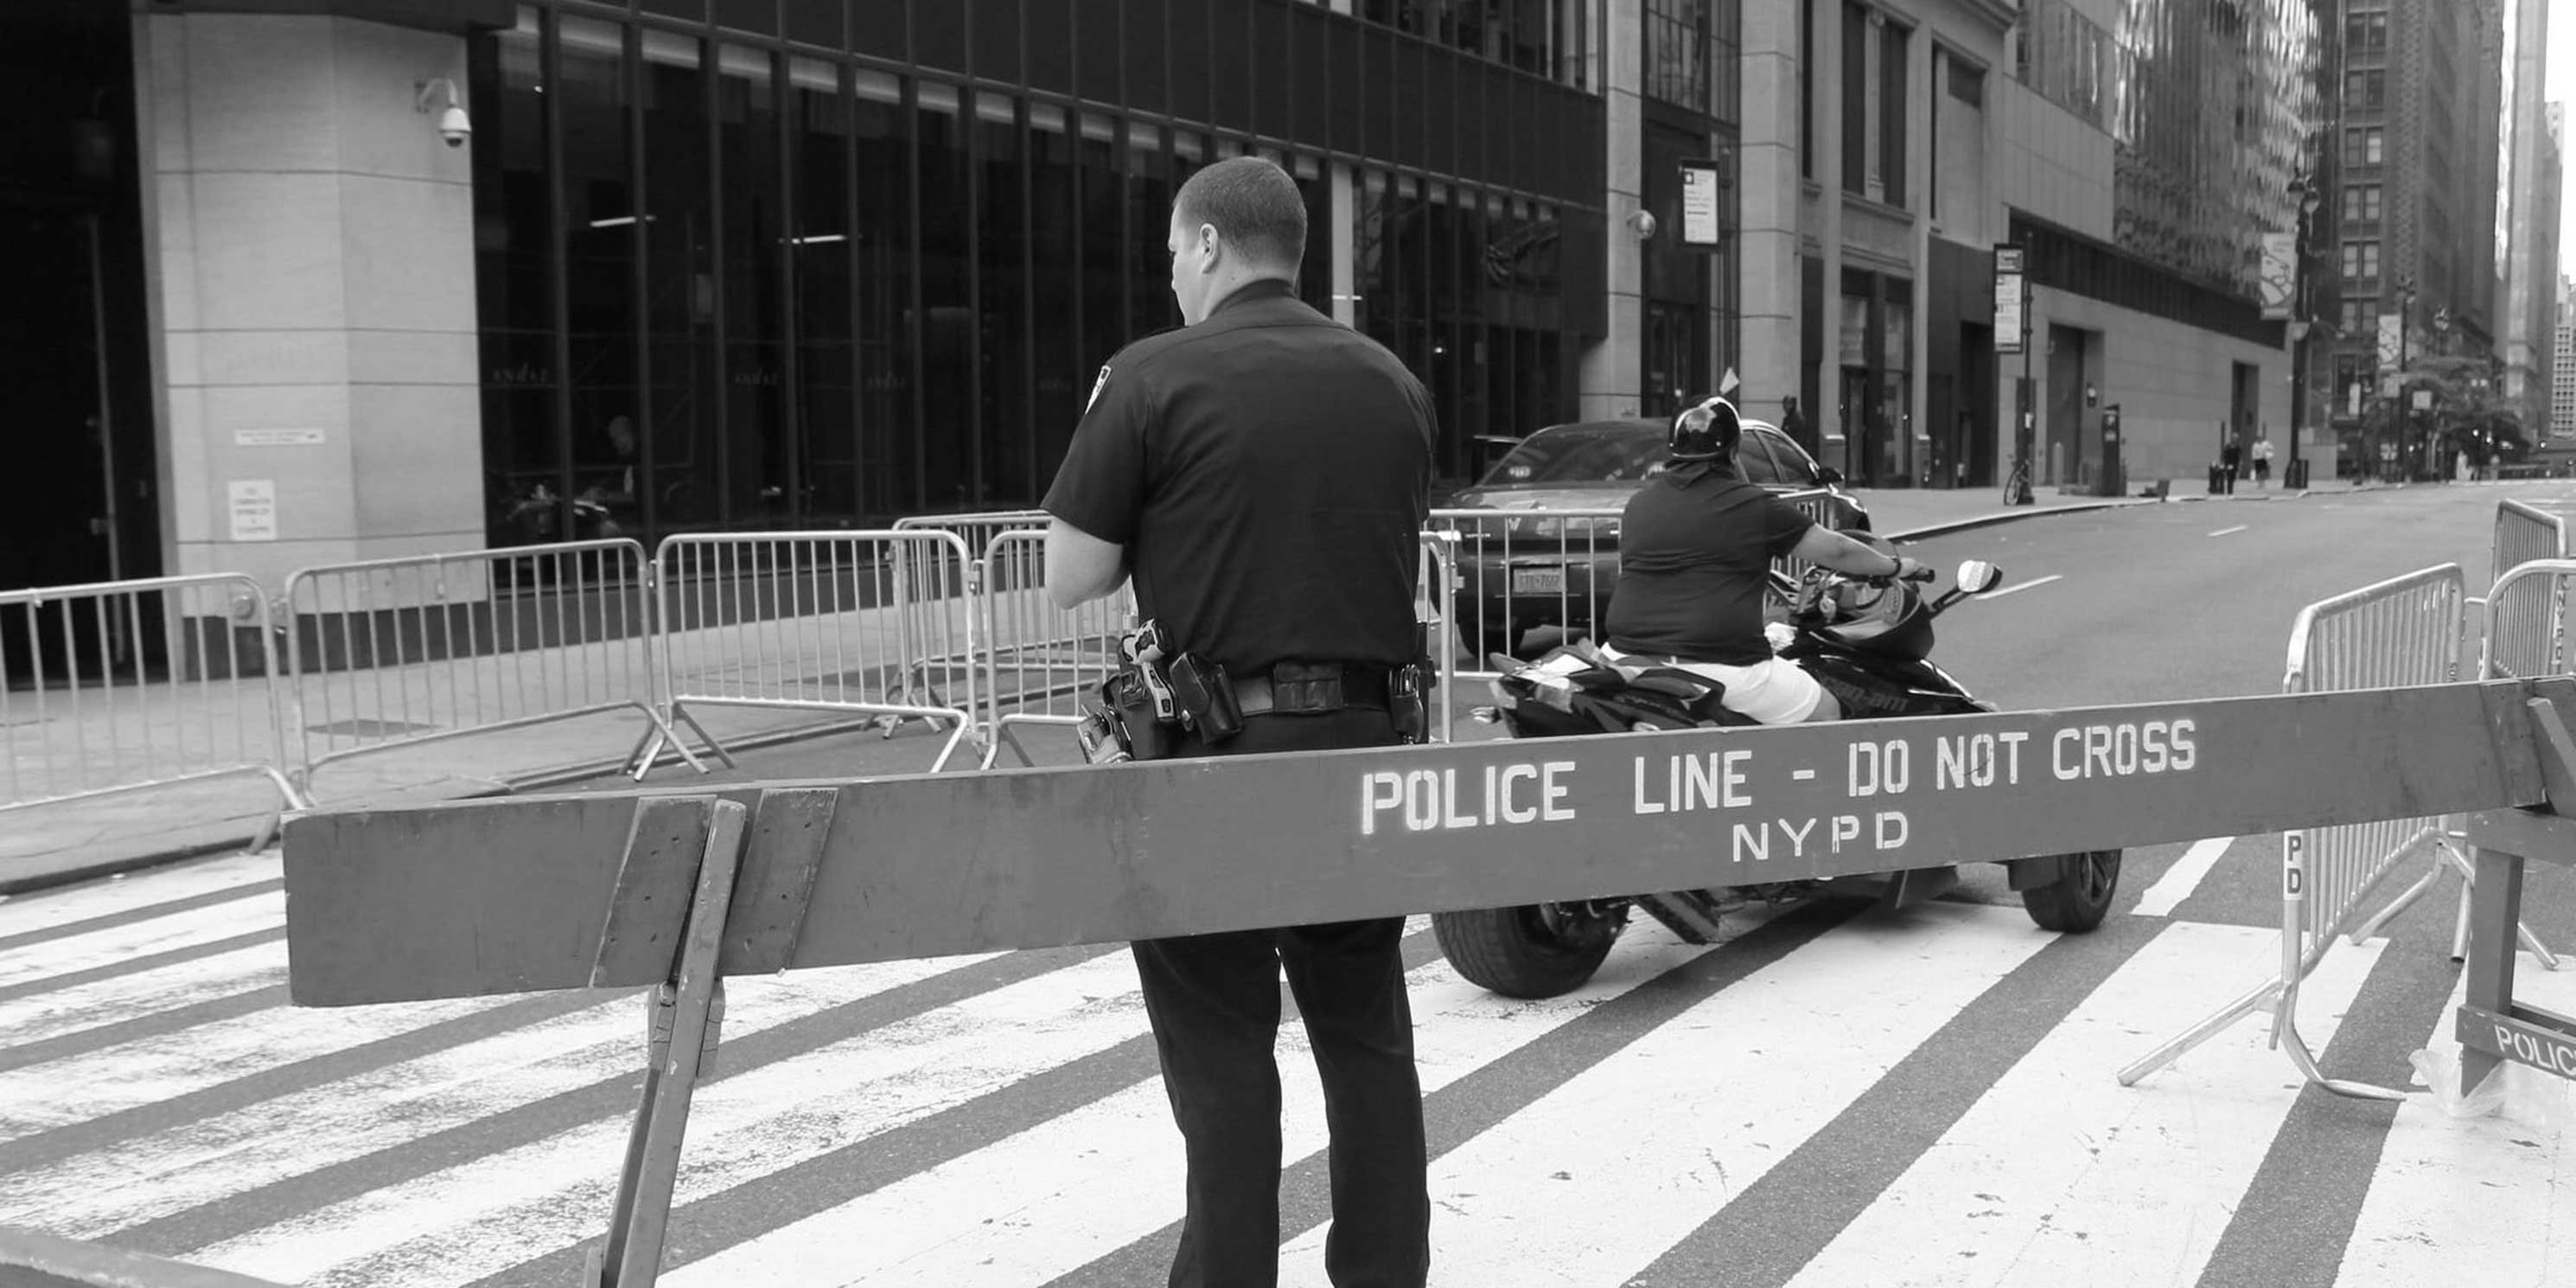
x=1261, y=473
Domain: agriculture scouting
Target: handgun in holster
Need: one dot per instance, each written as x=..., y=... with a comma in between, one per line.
x=1408, y=689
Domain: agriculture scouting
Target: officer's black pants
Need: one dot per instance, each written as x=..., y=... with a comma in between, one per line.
x=1214, y=1003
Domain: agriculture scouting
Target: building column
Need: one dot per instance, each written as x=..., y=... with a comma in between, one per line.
x=1920, y=69
x=1342, y=205
x=1611, y=368
x=1768, y=188
x=310, y=246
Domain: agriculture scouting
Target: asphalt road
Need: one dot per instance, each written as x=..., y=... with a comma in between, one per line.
x=1831, y=1097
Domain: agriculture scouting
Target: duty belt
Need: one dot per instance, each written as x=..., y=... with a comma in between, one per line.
x=1293, y=688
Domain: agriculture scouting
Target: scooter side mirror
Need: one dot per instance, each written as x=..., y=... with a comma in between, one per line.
x=1976, y=577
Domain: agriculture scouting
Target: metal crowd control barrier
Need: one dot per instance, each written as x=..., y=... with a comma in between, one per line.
x=915, y=632
x=1050, y=656
x=2400, y=632
x=816, y=621
x=47, y=1261
x=136, y=685
x=674, y=891
x=392, y=653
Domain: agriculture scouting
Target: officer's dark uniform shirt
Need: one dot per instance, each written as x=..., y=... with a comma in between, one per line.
x=1693, y=557
x=1268, y=471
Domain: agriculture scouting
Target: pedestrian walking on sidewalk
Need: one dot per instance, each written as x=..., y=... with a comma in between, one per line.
x=2263, y=461
x=1262, y=472
x=2231, y=459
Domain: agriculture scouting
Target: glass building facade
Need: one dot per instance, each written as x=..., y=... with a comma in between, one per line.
x=798, y=263
x=2213, y=107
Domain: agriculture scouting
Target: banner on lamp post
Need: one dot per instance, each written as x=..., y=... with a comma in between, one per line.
x=2280, y=274
x=2392, y=339
x=2011, y=300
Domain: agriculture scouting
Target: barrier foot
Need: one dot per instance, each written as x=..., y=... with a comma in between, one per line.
x=662, y=733
x=684, y=1010
x=993, y=749
x=2261, y=998
x=949, y=748
x=2286, y=1033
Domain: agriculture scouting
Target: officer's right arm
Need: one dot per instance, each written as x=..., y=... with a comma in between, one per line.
x=1823, y=545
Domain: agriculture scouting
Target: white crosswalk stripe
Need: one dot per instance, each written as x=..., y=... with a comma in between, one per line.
x=177, y=1108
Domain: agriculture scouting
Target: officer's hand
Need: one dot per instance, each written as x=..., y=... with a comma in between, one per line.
x=1914, y=570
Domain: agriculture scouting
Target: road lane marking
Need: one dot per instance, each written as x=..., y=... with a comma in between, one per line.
x=194, y=927
x=2182, y=878
x=1118, y=1162
x=120, y=897
x=2015, y=590
x=2226, y=531
x=2058, y=1150
x=486, y=1214
x=2503, y=1175
x=280, y=1138
x=1737, y=1082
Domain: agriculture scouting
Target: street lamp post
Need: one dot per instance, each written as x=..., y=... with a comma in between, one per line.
x=2294, y=471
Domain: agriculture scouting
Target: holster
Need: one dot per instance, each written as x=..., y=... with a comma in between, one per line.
x=1124, y=717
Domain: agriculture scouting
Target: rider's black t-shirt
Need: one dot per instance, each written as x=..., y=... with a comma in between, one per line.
x=1694, y=553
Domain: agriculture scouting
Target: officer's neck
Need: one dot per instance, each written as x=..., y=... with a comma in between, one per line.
x=1252, y=284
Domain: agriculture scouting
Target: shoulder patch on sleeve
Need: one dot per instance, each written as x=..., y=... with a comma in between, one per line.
x=1096, y=387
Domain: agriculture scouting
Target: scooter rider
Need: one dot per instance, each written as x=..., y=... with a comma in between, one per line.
x=1695, y=550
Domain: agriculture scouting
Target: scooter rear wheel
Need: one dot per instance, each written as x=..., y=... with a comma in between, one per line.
x=2080, y=896
x=1527, y=951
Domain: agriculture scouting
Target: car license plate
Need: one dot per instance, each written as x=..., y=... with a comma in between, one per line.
x=1548, y=580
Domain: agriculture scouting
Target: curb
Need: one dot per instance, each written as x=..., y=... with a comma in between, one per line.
x=1949, y=526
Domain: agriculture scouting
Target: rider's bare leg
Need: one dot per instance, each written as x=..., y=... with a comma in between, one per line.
x=1826, y=709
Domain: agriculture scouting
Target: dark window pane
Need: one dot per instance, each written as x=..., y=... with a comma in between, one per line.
x=1149, y=223
x=1855, y=82
x=939, y=34
x=1096, y=54
x=524, y=478
x=680, y=296
x=748, y=15
x=889, y=452
x=1104, y=257
x=997, y=39
x=757, y=450
x=693, y=10
x=601, y=235
x=1192, y=35
x=1230, y=44
x=820, y=252
x=1147, y=54
x=879, y=27
x=816, y=22
x=1005, y=458
x=1892, y=114
x=945, y=326
x=1048, y=26
x=1056, y=241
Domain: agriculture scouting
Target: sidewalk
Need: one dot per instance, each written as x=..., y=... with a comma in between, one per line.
x=50, y=844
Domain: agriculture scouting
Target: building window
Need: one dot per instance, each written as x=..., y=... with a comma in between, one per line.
x=2365, y=91
x=2356, y=320
x=1892, y=112
x=2361, y=204
x=1677, y=37
x=1855, y=83
x=2365, y=33
x=2365, y=145
x=1806, y=89
x=2360, y=259
x=1550, y=38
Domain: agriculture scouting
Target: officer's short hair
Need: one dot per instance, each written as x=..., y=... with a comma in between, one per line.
x=1253, y=204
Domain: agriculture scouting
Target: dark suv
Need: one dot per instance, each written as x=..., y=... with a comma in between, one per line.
x=1522, y=571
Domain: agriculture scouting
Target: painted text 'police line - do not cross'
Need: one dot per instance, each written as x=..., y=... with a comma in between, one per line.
x=1538, y=791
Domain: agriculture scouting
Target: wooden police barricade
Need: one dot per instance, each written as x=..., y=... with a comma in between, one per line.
x=29, y=1259
x=675, y=890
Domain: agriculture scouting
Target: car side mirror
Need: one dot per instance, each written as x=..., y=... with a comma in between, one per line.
x=1976, y=577
x=1492, y=448
x=1828, y=475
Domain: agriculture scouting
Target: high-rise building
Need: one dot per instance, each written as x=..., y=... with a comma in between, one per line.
x=2416, y=119
x=2562, y=398
x=2529, y=258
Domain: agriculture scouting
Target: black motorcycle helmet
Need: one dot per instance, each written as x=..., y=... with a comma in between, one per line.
x=1707, y=432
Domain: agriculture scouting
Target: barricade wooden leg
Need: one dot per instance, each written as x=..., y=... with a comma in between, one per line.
x=681, y=1015
x=2495, y=904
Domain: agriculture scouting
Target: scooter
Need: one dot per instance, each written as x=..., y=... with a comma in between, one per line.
x=1868, y=642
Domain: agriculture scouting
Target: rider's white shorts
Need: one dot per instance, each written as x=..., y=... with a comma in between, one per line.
x=1772, y=691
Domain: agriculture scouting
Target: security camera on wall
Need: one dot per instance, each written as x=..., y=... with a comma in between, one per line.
x=453, y=126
